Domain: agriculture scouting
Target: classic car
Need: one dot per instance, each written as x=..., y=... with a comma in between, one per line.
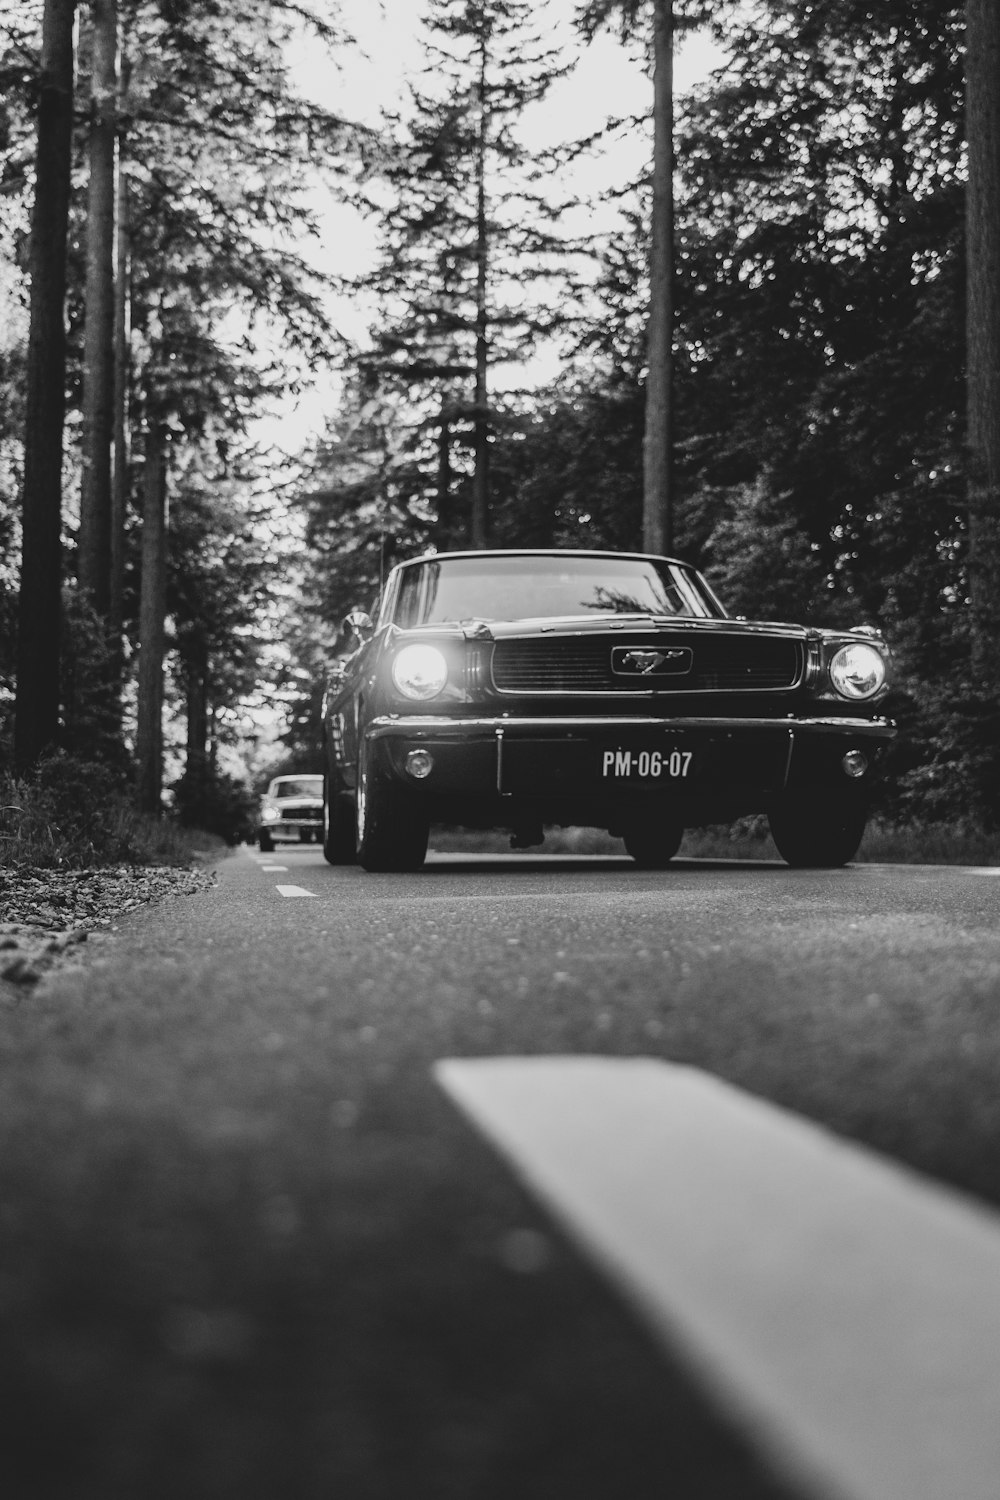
x=516, y=689
x=291, y=809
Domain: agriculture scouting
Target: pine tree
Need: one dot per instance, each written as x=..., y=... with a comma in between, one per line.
x=469, y=231
x=36, y=724
x=659, y=19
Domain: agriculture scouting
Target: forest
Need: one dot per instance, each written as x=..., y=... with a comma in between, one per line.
x=775, y=353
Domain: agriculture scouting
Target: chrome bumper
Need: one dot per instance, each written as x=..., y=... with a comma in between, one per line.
x=430, y=726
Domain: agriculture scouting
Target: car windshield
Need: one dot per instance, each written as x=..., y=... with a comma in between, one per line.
x=522, y=587
x=297, y=786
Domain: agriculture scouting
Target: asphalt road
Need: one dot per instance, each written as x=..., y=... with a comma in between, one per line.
x=223, y=1148
x=467, y=912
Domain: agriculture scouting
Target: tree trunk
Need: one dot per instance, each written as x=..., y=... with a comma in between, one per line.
x=152, y=610
x=983, y=333
x=657, y=499
x=444, y=531
x=119, y=424
x=480, y=414
x=196, y=768
x=36, y=721
x=94, y=559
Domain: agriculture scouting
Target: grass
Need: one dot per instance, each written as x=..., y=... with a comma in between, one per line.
x=74, y=814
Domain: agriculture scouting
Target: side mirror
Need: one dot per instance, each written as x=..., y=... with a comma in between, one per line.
x=358, y=627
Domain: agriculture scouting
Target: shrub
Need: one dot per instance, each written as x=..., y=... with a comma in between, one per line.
x=217, y=803
x=75, y=813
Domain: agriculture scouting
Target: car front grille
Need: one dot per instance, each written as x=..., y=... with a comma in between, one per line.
x=713, y=662
x=307, y=814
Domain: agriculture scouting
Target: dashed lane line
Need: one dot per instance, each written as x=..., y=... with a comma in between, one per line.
x=272, y=869
x=293, y=890
x=844, y=1309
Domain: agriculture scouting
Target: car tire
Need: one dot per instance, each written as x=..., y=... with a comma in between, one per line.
x=818, y=831
x=392, y=828
x=339, y=824
x=653, y=840
x=266, y=842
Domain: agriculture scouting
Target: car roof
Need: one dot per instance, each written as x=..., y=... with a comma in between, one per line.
x=542, y=552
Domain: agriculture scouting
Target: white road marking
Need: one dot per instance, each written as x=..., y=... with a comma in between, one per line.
x=846, y=1310
x=270, y=869
x=293, y=890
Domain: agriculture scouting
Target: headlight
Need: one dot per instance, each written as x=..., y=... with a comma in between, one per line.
x=270, y=815
x=857, y=671
x=419, y=672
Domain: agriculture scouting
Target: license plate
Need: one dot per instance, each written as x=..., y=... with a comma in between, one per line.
x=645, y=765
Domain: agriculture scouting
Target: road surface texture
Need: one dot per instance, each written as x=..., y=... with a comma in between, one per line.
x=272, y=1226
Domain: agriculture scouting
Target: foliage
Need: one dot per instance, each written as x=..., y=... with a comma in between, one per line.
x=91, y=726
x=760, y=561
x=11, y=418
x=73, y=813
x=220, y=577
x=569, y=475
x=820, y=462
x=364, y=507
x=946, y=767
x=225, y=311
x=819, y=388
x=474, y=269
x=219, y=804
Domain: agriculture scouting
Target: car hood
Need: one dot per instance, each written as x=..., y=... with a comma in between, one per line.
x=615, y=624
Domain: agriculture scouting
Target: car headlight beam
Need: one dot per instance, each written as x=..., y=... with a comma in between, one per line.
x=857, y=671
x=419, y=672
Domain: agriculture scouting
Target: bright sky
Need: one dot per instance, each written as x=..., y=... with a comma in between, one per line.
x=605, y=81
x=609, y=81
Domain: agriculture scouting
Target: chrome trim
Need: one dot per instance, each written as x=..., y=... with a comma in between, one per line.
x=641, y=692
x=788, y=757
x=655, y=660
x=417, y=726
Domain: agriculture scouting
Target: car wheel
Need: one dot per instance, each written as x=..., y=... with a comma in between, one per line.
x=819, y=831
x=392, y=829
x=266, y=842
x=339, y=833
x=653, y=839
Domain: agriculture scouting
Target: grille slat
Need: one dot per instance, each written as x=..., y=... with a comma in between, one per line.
x=573, y=664
x=307, y=811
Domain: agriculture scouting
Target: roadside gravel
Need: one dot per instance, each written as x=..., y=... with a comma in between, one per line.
x=46, y=914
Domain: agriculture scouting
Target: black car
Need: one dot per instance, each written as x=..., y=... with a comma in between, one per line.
x=610, y=690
